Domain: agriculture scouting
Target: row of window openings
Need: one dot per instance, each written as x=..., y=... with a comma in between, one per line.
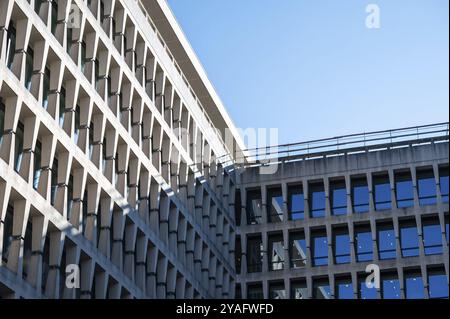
x=338, y=197
x=389, y=288
x=409, y=246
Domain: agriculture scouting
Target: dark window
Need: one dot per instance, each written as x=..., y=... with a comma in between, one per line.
x=360, y=195
x=404, y=190
x=409, y=240
x=297, y=250
x=341, y=247
x=2, y=120
x=365, y=291
x=18, y=149
x=254, y=254
x=237, y=207
x=317, y=200
x=320, y=249
x=46, y=88
x=69, y=40
x=76, y=131
x=62, y=106
x=83, y=56
x=321, y=289
x=37, y=5
x=390, y=287
x=255, y=291
x=11, y=45
x=414, y=286
x=277, y=291
x=299, y=289
x=37, y=164
x=97, y=73
x=70, y=198
x=338, y=195
x=29, y=68
x=275, y=201
x=443, y=182
x=386, y=242
x=364, y=247
x=54, y=5
x=432, y=237
x=437, y=283
x=276, y=252
x=296, y=203
x=54, y=181
x=382, y=192
x=254, y=207
x=426, y=187
x=7, y=233
x=238, y=255
x=344, y=289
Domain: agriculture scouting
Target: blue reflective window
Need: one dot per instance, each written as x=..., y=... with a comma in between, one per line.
x=391, y=288
x=366, y=292
x=404, y=190
x=342, y=248
x=296, y=203
x=360, y=195
x=344, y=289
x=446, y=230
x=317, y=200
x=322, y=290
x=338, y=198
x=364, y=248
x=386, y=243
x=432, y=238
x=443, y=182
x=382, y=192
x=438, y=287
x=409, y=239
x=320, y=250
x=414, y=287
x=426, y=187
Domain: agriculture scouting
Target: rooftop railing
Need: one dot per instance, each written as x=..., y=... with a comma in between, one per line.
x=344, y=144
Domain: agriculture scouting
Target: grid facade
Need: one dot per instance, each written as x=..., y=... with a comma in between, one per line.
x=310, y=229
x=107, y=160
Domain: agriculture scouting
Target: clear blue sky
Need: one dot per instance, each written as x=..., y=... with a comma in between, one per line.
x=312, y=69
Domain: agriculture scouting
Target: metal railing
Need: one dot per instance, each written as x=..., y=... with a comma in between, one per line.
x=344, y=144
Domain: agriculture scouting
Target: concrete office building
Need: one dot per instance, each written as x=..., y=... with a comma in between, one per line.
x=116, y=181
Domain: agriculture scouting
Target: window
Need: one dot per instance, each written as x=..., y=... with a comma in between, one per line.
x=299, y=289
x=414, y=286
x=18, y=149
x=62, y=106
x=341, y=247
x=69, y=37
x=76, y=131
x=296, y=203
x=409, y=240
x=29, y=68
x=254, y=207
x=54, y=22
x=97, y=73
x=404, y=190
x=317, y=200
x=390, y=287
x=7, y=233
x=46, y=88
x=344, y=289
x=37, y=164
x=275, y=201
x=432, y=237
x=277, y=291
x=437, y=283
x=297, y=250
x=426, y=187
x=37, y=5
x=338, y=194
x=321, y=289
x=11, y=45
x=386, y=242
x=83, y=57
x=2, y=120
x=254, y=254
x=70, y=198
x=276, y=252
x=364, y=247
x=364, y=291
x=320, y=249
x=443, y=182
x=360, y=195
x=238, y=255
x=382, y=192
x=255, y=291
x=54, y=181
